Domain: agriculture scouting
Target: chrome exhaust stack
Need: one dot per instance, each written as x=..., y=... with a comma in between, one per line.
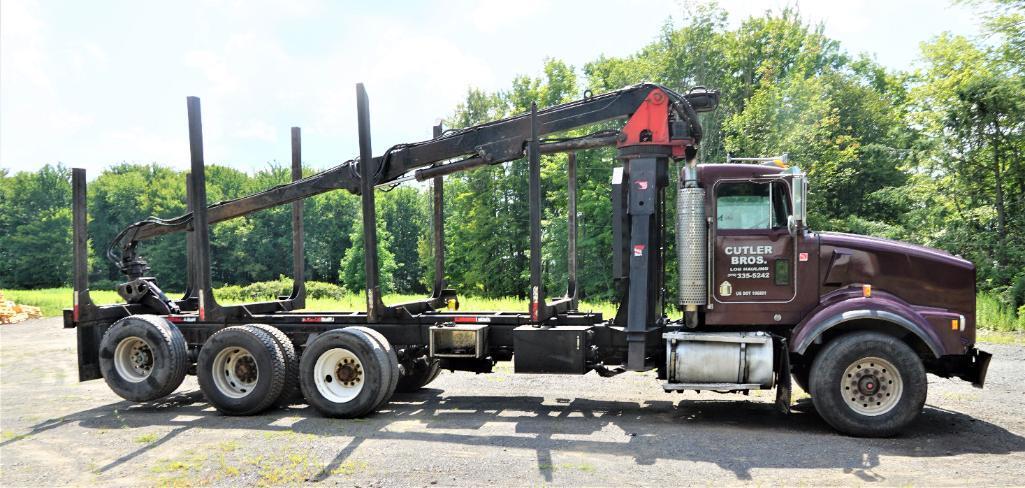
x=691, y=244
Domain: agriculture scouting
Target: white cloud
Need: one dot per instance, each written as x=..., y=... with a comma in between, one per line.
x=490, y=16
x=138, y=145
x=215, y=69
x=256, y=129
x=33, y=115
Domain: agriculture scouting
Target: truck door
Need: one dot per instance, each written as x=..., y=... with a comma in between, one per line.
x=754, y=254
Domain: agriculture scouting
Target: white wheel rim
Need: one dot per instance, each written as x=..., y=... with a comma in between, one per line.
x=338, y=375
x=133, y=359
x=871, y=386
x=235, y=372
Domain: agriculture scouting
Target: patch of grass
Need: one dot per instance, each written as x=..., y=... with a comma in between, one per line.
x=180, y=471
x=228, y=446
x=53, y=301
x=582, y=467
x=147, y=438
x=991, y=313
x=173, y=466
x=349, y=468
x=7, y=435
x=228, y=470
x=120, y=419
x=1000, y=337
x=295, y=469
x=191, y=461
x=286, y=434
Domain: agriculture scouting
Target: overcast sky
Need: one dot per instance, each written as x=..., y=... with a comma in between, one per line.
x=91, y=83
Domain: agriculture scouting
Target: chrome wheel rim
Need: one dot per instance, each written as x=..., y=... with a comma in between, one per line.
x=339, y=375
x=133, y=359
x=235, y=372
x=871, y=386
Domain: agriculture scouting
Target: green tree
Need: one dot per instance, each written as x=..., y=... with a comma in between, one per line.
x=352, y=269
x=35, y=222
x=404, y=212
x=969, y=100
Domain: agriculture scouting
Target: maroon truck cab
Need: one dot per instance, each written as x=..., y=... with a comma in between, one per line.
x=816, y=285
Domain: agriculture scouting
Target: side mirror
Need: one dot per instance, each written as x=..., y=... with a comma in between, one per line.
x=799, y=197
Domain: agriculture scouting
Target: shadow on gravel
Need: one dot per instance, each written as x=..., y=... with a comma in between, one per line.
x=735, y=435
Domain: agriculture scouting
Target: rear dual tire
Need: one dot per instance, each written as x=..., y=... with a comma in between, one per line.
x=419, y=374
x=290, y=393
x=241, y=370
x=348, y=373
x=143, y=357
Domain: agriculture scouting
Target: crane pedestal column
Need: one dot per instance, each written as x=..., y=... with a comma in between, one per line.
x=646, y=171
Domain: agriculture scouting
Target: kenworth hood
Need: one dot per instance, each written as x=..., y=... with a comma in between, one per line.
x=920, y=275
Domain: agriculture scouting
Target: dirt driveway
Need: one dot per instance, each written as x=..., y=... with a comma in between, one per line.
x=500, y=429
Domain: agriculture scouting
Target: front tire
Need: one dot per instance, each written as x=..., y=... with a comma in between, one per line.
x=868, y=384
x=801, y=375
x=143, y=357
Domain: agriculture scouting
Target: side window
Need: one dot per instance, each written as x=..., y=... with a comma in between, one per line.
x=780, y=204
x=751, y=205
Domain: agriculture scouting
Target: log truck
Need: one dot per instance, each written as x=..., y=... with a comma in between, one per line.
x=763, y=299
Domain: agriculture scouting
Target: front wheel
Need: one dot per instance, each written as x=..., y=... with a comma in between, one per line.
x=801, y=374
x=868, y=384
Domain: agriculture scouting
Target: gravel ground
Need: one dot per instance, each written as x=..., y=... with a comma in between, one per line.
x=501, y=429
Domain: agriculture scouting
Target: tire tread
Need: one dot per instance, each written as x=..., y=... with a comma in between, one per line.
x=177, y=347
x=290, y=390
x=827, y=399
x=277, y=373
x=394, y=373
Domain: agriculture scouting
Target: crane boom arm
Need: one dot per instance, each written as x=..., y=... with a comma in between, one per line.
x=489, y=143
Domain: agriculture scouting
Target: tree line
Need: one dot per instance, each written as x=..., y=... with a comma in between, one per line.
x=931, y=154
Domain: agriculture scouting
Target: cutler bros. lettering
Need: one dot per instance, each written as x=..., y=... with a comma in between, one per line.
x=747, y=254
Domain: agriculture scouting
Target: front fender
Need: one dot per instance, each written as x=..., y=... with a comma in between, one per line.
x=882, y=307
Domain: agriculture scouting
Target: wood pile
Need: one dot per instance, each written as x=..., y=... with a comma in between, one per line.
x=11, y=312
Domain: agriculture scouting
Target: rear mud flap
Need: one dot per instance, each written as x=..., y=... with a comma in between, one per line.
x=89, y=336
x=783, y=385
